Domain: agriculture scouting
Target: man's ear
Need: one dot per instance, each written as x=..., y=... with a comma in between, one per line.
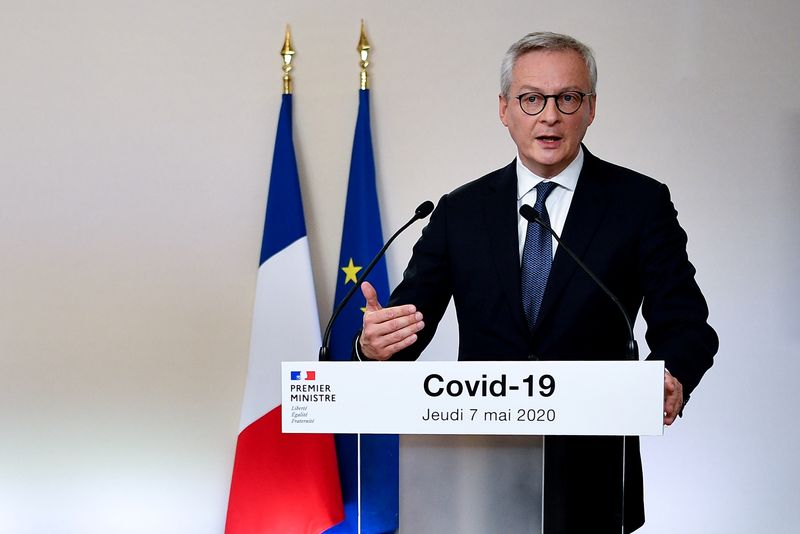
x=503, y=109
x=592, y=108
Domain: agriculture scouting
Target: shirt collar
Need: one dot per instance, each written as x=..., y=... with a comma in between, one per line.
x=568, y=178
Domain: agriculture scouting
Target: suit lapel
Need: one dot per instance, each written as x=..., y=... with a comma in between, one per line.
x=501, y=222
x=588, y=206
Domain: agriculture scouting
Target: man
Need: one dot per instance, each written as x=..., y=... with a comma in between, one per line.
x=518, y=298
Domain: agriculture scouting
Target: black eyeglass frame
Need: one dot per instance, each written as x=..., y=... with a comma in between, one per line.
x=554, y=97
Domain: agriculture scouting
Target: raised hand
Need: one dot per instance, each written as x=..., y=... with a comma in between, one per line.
x=387, y=330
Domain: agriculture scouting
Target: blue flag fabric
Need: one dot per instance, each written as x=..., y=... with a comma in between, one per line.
x=362, y=238
x=284, y=194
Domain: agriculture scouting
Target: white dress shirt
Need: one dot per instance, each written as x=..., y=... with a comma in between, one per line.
x=557, y=202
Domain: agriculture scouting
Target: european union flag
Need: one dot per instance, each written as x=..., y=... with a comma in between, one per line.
x=361, y=240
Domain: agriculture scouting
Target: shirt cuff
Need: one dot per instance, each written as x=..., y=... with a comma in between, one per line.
x=357, y=350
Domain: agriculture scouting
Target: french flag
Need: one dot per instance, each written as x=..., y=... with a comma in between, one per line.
x=303, y=375
x=282, y=483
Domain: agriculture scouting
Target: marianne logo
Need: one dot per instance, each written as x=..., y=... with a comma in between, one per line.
x=304, y=375
x=304, y=388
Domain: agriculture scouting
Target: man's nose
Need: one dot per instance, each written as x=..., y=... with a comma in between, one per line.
x=550, y=113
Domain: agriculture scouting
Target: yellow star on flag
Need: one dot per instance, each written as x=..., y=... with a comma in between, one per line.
x=350, y=272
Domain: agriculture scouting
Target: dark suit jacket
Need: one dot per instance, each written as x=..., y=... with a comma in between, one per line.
x=624, y=227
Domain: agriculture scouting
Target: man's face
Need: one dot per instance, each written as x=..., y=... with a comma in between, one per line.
x=549, y=141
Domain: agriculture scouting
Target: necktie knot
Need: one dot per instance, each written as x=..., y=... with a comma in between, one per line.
x=543, y=190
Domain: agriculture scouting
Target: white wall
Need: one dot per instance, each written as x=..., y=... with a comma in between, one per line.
x=135, y=143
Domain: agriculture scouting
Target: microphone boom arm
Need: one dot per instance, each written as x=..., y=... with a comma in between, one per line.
x=533, y=216
x=421, y=212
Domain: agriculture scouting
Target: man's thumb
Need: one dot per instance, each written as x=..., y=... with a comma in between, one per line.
x=371, y=296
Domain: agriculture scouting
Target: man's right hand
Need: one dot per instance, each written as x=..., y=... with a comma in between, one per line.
x=387, y=330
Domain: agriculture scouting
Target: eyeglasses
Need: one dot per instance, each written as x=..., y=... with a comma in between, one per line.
x=567, y=102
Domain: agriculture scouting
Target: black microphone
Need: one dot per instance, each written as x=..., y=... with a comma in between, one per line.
x=422, y=211
x=531, y=215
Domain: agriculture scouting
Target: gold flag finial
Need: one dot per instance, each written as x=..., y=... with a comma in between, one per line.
x=287, y=52
x=363, y=50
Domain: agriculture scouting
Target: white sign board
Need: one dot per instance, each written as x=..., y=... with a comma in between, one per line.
x=491, y=397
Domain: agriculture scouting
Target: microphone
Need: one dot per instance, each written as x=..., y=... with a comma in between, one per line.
x=422, y=211
x=531, y=215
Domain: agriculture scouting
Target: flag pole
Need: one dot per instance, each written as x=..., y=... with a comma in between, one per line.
x=363, y=52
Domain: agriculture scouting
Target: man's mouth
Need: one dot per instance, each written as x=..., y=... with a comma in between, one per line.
x=548, y=139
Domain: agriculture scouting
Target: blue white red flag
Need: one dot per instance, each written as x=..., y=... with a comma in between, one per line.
x=282, y=483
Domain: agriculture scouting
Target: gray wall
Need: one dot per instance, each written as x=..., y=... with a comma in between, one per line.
x=135, y=143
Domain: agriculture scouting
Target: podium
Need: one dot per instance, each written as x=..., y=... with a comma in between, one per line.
x=576, y=410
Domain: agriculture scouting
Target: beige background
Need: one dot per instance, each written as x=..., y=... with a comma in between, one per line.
x=135, y=144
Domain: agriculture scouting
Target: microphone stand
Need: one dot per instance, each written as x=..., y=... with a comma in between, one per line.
x=422, y=211
x=632, y=352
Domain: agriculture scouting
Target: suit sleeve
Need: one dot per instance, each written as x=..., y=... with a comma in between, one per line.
x=674, y=308
x=426, y=281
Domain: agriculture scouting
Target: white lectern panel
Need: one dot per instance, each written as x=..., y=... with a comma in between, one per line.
x=533, y=398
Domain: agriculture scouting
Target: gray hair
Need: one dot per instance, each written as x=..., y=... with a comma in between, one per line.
x=545, y=41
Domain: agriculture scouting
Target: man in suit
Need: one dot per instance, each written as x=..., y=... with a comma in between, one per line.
x=515, y=301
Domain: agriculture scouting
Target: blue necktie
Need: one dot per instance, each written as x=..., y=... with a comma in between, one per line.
x=537, y=257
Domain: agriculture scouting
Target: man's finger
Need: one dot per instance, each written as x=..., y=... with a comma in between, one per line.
x=382, y=336
x=669, y=382
x=371, y=297
x=382, y=347
x=381, y=333
x=397, y=315
x=400, y=345
x=673, y=398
